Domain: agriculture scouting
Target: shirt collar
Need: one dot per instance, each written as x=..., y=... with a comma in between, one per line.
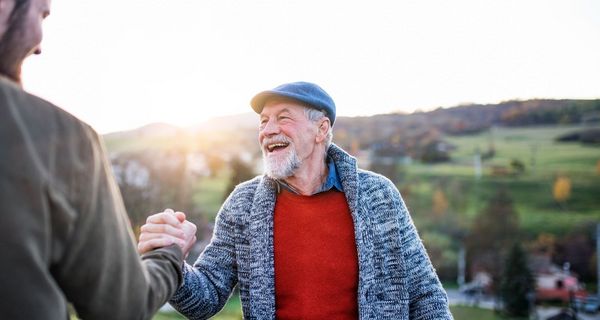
x=332, y=181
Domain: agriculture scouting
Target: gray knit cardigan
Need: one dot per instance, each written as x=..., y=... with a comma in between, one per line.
x=396, y=278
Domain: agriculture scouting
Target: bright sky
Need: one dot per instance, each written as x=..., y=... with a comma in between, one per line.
x=120, y=64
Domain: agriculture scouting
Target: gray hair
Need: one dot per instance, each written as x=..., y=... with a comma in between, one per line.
x=315, y=115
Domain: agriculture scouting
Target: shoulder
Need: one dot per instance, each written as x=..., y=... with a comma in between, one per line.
x=379, y=193
x=51, y=134
x=41, y=116
x=238, y=205
x=242, y=195
x=246, y=189
x=370, y=181
x=12, y=94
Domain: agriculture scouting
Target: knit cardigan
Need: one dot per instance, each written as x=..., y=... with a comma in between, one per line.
x=396, y=278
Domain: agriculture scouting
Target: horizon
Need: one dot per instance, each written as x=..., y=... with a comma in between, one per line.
x=184, y=62
x=250, y=113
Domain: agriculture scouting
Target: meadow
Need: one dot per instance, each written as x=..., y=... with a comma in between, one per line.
x=531, y=190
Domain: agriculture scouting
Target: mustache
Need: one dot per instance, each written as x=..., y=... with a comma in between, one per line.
x=275, y=139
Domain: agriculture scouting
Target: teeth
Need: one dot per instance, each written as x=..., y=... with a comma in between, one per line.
x=275, y=145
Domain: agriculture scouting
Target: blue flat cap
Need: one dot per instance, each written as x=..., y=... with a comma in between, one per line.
x=305, y=92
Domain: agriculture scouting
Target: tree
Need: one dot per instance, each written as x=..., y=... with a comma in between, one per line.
x=562, y=189
x=577, y=248
x=492, y=234
x=517, y=283
x=517, y=166
x=440, y=203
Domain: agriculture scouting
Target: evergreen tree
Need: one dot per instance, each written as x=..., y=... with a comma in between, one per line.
x=517, y=283
x=492, y=233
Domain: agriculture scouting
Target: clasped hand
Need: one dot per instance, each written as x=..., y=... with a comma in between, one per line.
x=166, y=228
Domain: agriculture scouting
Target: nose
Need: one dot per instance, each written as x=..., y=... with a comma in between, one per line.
x=37, y=49
x=270, y=128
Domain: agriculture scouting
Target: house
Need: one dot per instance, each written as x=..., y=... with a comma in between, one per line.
x=553, y=282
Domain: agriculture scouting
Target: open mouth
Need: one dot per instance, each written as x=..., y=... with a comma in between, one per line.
x=278, y=146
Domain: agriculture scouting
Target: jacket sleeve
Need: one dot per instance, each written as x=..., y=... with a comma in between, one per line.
x=100, y=271
x=209, y=283
x=427, y=297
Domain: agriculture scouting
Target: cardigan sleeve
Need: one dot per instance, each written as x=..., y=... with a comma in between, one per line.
x=210, y=281
x=427, y=297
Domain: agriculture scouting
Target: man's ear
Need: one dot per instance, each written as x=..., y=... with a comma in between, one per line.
x=323, y=129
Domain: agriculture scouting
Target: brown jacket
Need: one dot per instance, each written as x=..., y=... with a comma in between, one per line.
x=64, y=233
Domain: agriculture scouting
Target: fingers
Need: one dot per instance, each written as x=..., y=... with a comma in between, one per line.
x=144, y=236
x=163, y=229
x=168, y=217
x=180, y=216
x=189, y=229
x=190, y=236
x=166, y=228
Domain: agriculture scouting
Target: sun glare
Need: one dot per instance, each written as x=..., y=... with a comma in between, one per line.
x=184, y=62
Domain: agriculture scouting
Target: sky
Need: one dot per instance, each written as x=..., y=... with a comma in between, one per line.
x=121, y=64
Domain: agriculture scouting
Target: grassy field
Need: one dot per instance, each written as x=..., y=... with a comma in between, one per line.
x=209, y=193
x=231, y=311
x=531, y=191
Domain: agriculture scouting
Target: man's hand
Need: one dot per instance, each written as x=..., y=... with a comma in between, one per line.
x=166, y=228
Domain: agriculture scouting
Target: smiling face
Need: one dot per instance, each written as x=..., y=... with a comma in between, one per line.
x=288, y=138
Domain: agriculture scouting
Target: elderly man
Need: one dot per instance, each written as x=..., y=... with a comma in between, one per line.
x=64, y=233
x=315, y=237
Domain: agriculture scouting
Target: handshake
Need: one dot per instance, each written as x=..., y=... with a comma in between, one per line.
x=166, y=228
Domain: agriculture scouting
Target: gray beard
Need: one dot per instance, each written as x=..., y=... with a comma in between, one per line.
x=280, y=169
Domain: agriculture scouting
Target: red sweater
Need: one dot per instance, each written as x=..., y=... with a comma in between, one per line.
x=316, y=263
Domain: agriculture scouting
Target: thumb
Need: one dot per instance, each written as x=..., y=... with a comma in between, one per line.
x=180, y=216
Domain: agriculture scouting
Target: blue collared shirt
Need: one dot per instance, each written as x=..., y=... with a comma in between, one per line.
x=332, y=181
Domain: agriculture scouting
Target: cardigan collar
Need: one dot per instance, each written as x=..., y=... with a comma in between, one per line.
x=262, y=288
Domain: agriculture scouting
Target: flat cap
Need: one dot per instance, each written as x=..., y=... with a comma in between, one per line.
x=305, y=92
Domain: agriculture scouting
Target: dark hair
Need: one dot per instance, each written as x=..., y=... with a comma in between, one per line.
x=15, y=19
x=18, y=11
x=10, y=66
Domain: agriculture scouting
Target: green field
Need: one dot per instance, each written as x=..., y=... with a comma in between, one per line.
x=231, y=311
x=531, y=190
